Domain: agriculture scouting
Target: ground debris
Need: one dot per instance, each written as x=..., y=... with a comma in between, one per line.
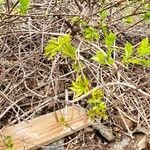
x=105, y=131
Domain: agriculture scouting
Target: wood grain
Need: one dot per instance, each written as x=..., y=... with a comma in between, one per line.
x=45, y=129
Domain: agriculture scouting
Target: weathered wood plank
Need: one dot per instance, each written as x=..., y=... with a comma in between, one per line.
x=45, y=129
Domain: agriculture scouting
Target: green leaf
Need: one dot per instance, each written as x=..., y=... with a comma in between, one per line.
x=100, y=57
x=102, y=106
x=146, y=62
x=1, y=2
x=128, y=20
x=128, y=52
x=110, y=39
x=98, y=107
x=65, y=46
x=24, y=5
x=64, y=40
x=140, y=61
x=144, y=48
x=135, y=60
x=110, y=61
x=98, y=111
x=69, y=51
x=8, y=142
x=61, y=44
x=104, y=29
x=94, y=101
x=52, y=48
x=146, y=16
x=80, y=86
x=147, y=6
x=98, y=94
x=109, y=57
x=103, y=14
x=91, y=34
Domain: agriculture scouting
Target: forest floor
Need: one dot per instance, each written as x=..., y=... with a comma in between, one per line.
x=29, y=82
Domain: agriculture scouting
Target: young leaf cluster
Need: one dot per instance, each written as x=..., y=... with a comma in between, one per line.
x=139, y=57
x=102, y=58
x=1, y=2
x=106, y=58
x=63, y=45
x=24, y=5
x=80, y=86
x=91, y=34
x=98, y=107
x=142, y=54
x=8, y=142
x=103, y=15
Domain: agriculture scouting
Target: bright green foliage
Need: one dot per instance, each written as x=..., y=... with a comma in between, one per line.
x=103, y=14
x=97, y=95
x=144, y=48
x=128, y=52
x=8, y=142
x=135, y=60
x=2, y=1
x=98, y=107
x=143, y=51
x=66, y=47
x=91, y=33
x=140, y=61
x=80, y=86
x=24, y=5
x=146, y=16
x=104, y=27
x=61, y=44
x=110, y=60
x=129, y=19
x=102, y=58
x=110, y=39
x=146, y=62
x=52, y=48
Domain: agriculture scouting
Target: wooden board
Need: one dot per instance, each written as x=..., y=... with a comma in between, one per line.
x=45, y=129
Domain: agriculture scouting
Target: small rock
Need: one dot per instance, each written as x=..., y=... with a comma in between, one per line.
x=122, y=144
x=105, y=131
x=139, y=142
